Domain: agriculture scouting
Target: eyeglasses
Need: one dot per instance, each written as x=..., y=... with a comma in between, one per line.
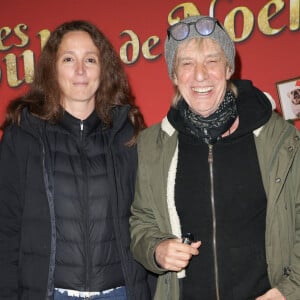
x=204, y=26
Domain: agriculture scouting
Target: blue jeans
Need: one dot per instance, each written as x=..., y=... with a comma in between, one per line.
x=117, y=294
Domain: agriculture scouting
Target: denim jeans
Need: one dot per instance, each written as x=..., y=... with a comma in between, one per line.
x=116, y=294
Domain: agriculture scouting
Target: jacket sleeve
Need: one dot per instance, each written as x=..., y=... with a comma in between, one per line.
x=278, y=147
x=148, y=222
x=10, y=218
x=290, y=284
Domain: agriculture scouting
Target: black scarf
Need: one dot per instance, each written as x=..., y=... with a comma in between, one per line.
x=210, y=129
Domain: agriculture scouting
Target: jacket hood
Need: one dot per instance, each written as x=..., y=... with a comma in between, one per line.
x=254, y=108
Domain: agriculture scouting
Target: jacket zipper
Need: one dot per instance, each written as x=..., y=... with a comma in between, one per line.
x=117, y=222
x=49, y=195
x=213, y=210
x=86, y=212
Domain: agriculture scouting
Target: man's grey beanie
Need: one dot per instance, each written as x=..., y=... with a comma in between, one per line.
x=219, y=35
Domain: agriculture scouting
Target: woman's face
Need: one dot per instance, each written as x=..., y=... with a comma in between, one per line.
x=78, y=69
x=201, y=74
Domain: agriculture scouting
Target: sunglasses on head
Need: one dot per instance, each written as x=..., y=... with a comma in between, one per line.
x=204, y=26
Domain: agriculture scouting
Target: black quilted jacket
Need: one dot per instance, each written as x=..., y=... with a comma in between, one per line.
x=27, y=215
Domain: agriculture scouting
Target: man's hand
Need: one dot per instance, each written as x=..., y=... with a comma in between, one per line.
x=272, y=294
x=173, y=255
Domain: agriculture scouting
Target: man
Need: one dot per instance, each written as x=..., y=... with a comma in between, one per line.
x=223, y=167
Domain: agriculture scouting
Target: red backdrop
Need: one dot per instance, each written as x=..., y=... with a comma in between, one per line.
x=266, y=33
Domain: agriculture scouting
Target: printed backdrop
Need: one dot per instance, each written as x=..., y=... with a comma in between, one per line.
x=266, y=34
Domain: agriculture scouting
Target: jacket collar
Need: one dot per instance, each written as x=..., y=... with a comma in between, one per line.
x=167, y=127
x=35, y=125
x=77, y=127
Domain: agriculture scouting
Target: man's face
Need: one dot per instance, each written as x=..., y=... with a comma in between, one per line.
x=295, y=96
x=201, y=74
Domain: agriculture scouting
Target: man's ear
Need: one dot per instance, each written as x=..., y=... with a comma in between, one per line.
x=175, y=81
x=228, y=72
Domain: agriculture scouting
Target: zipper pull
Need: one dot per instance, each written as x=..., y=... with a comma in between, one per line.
x=210, y=154
x=81, y=129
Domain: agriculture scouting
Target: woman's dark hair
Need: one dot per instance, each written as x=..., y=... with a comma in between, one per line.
x=43, y=98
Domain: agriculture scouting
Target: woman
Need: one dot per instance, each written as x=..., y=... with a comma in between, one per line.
x=67, y=171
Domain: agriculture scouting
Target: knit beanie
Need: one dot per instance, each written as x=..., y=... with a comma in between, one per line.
x=219, y=35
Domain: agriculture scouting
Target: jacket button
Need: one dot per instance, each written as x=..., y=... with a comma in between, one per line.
x=277, y=180
x=296, y=138
x=291, y=148
x=286, y=271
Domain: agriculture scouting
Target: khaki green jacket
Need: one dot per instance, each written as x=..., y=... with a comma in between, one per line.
x=154, y=217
